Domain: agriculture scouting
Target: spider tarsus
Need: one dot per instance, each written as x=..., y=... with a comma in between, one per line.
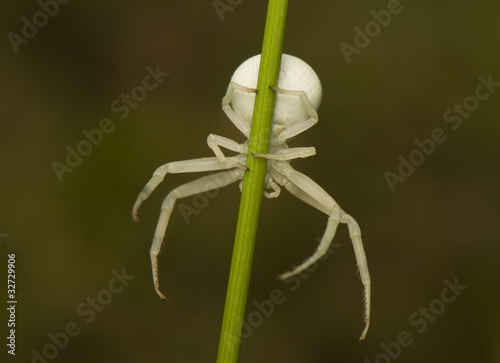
x=365, y=330
x=241, y=166
x=162, y=296
x=135, y=208
x=275, y=89
x=282, y=277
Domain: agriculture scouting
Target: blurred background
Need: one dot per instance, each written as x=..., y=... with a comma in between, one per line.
x=70, y=225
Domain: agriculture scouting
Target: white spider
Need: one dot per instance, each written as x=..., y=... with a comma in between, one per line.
x=298, y=98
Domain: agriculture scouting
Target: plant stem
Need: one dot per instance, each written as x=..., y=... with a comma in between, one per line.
x=253, y=183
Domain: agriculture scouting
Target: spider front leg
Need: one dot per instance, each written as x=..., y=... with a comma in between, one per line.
x=198, y=186
x=186, y=166
x=359, y=252
x=310, y=192
x=326, y=240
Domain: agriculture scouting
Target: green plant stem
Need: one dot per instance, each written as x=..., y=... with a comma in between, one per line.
x=253, y=183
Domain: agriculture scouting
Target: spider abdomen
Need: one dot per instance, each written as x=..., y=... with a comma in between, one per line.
x=295, y=75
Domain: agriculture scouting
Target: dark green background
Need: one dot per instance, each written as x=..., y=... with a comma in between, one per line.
x=441, y=223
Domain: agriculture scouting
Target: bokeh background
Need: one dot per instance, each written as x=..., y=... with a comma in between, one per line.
x=441, y=223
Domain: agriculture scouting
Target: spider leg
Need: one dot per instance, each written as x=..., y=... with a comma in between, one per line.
x=357, y=243
x=299, y=193
x=215, y=141
x=201, y=185
x=242, y=124
x=302, y=126
x=322, y=202
x=270, y=183
x=186, y=166
x=288, y=154
x=309, y=191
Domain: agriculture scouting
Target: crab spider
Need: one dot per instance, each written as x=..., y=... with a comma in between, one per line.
x=298, y=99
